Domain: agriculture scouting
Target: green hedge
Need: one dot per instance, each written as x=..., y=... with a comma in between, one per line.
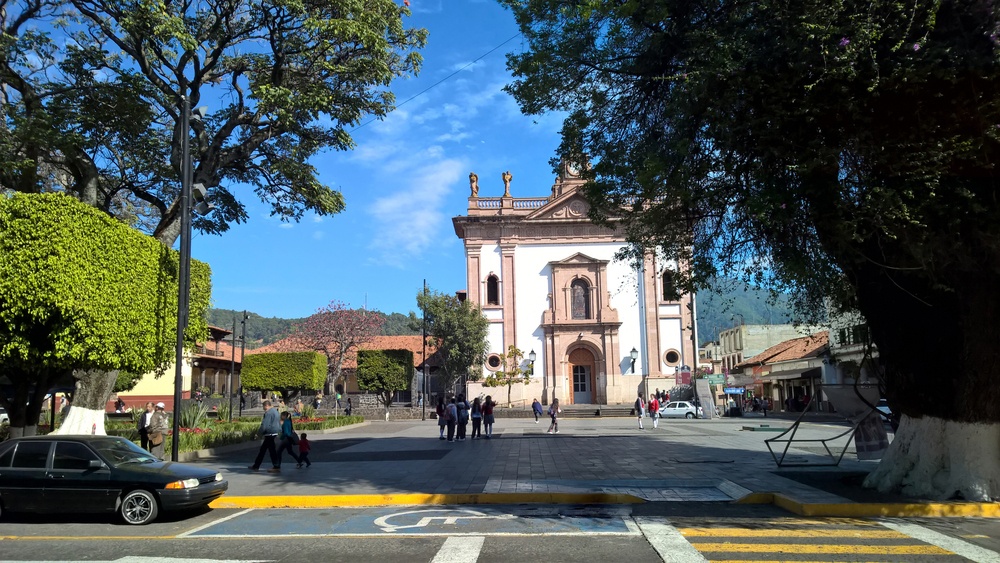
x=284, y=370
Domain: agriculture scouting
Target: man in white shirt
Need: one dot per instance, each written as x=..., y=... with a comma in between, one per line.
x=143, y=426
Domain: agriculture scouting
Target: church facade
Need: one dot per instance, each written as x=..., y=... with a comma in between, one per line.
x=546, y=277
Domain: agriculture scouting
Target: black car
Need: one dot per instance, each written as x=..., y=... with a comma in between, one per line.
x=99, y=474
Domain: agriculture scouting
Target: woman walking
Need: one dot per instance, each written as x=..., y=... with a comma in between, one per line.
x=288, y=439
x=477, y=419
x=554, y=413
x=442, y=420
x=488, y=405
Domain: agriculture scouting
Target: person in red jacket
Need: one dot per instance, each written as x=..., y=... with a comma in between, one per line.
x=654, y=410
x=304, y=448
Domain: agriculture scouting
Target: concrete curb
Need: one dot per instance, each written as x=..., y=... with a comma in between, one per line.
x=413, y=499
x=873, y=510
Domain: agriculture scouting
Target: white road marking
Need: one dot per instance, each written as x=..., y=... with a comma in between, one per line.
x=668, y=542
x=212, y=523
x=463, y=549
x=954, y=545
x=449, y=516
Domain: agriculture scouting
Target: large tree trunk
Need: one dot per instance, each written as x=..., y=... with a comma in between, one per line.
x=939, y=459
x=86, y=413
x=938, y=341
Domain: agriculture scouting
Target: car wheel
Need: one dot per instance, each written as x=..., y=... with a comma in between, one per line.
x=689, y=415
x=138, y=507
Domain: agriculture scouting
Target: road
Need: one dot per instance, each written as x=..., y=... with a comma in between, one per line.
x=672, y=532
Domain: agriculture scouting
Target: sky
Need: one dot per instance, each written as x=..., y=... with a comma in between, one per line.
x=405, y=180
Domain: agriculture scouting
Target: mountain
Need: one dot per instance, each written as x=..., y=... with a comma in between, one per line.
x=728, y=304
x=264, y=330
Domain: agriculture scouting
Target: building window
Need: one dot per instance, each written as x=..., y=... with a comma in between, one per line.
x=493, y=362
x=670, y=292
x=580, y=290
x=492, y=290
x=672, y=358
x=857, y=334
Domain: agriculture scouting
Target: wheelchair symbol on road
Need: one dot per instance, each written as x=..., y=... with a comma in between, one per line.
x=449, y=516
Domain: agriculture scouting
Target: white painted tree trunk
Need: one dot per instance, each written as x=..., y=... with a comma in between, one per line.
x=939, y=459
x=80, y=420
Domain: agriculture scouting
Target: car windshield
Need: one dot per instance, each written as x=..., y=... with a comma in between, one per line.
x=119, y=451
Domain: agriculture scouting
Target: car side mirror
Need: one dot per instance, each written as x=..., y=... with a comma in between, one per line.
x=95, y=464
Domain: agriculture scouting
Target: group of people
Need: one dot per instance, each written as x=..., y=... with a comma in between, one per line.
x=652, y=408
x=454, y=416
x=278, y=428
x=152, y=426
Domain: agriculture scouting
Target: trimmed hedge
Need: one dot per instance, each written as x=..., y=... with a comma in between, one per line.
x=284, y=370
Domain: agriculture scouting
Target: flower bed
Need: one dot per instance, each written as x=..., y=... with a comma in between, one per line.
x=216, y=433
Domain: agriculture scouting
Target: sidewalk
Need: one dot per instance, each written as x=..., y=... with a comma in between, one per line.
x=591, y=461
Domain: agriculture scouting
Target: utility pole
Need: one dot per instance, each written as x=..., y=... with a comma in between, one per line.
x=423, y=353
x=243, y=347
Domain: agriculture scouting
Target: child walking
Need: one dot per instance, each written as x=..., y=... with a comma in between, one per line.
x=304, y=448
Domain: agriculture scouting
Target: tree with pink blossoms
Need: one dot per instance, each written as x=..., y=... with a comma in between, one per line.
x=337, y=331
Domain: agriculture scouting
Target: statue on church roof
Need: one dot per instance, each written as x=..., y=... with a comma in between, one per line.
x=474, y=184
x=507, y=177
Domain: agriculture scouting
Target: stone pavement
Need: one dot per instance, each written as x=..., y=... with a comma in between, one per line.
x=591, y=461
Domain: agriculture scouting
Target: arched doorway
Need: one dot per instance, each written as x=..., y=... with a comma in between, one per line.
x=582, y=384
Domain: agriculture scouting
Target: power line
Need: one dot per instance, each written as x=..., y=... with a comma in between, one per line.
x=425, y=90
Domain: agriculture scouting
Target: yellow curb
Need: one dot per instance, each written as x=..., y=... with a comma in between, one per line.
x=871, y=510
x=410, y=499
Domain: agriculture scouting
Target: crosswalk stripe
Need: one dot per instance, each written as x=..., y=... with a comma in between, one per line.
x=460, y=549
x=830, y=549
x=747, y=533
x=669, y=544
x=954, y=545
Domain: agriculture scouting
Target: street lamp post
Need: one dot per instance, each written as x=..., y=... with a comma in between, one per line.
x=531, y=362
x=423, y=355
x=232, y=369
x=184, y=267
x=634, y=355
x=243, y=347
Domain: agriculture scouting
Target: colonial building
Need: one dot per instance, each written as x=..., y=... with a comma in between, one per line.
x=546, y=277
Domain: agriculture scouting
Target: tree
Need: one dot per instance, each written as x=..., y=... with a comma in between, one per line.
x=841, y=152
x=511, y=372
x=92, y=102
x=385, y=372
x=83, y=297
x=286, y=372
x=337, y=331
x=459, y=330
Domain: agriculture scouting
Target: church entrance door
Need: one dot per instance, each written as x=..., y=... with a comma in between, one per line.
x=582, y=365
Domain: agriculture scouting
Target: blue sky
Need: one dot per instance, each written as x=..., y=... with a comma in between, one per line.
x=406, y=179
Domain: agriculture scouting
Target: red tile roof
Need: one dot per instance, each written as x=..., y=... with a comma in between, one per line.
x=218, y=350
x=409, y=342
x=795, y=349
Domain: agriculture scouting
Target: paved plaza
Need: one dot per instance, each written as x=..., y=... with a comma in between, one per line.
x=591, y=461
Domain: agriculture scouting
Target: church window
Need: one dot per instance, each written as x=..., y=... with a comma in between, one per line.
x=492, y=290
x=670, y=291
x=581, y=299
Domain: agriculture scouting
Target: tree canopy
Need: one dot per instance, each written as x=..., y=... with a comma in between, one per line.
x=336, y=330
x=81, y=291
x=93, y=88
x=510, y=371
x=840, y=151
x=385, y=372
x=459, y=330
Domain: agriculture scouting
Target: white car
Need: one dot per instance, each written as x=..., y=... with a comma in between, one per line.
x=680, y=409
x=883, y=408
x=4, y=419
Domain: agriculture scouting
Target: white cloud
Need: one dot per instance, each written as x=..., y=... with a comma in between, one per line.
x=318, y=235
x=286, y=225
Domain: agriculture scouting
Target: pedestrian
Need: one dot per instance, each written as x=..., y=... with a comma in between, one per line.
x=654, y=410
x=452, y=419
x=350, y=407
x=318, y=401
x=338, y=399
x=442, y=414
x=657, y=394
x=638, y=409
x=119, y=405
x=304, y=448
x=488, y=419
x=298, y=407
x=536, y=408
x=554, y=411
x=288, y=440
x=269, y=429
x=158, y=424
x=142, y=425
x=243, y=400
x=463, y=417
x=476, y=413
x=420, y=400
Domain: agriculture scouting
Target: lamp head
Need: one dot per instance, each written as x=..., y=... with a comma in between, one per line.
x=531, y=356
x=634, y=354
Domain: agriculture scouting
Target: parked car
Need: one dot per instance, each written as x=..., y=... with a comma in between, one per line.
x=680, y=409
x=4, y=419
x=883, y=408
x=99, y=474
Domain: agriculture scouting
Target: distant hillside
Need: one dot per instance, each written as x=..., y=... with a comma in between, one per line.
x=723, y=309
x=265, y=330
